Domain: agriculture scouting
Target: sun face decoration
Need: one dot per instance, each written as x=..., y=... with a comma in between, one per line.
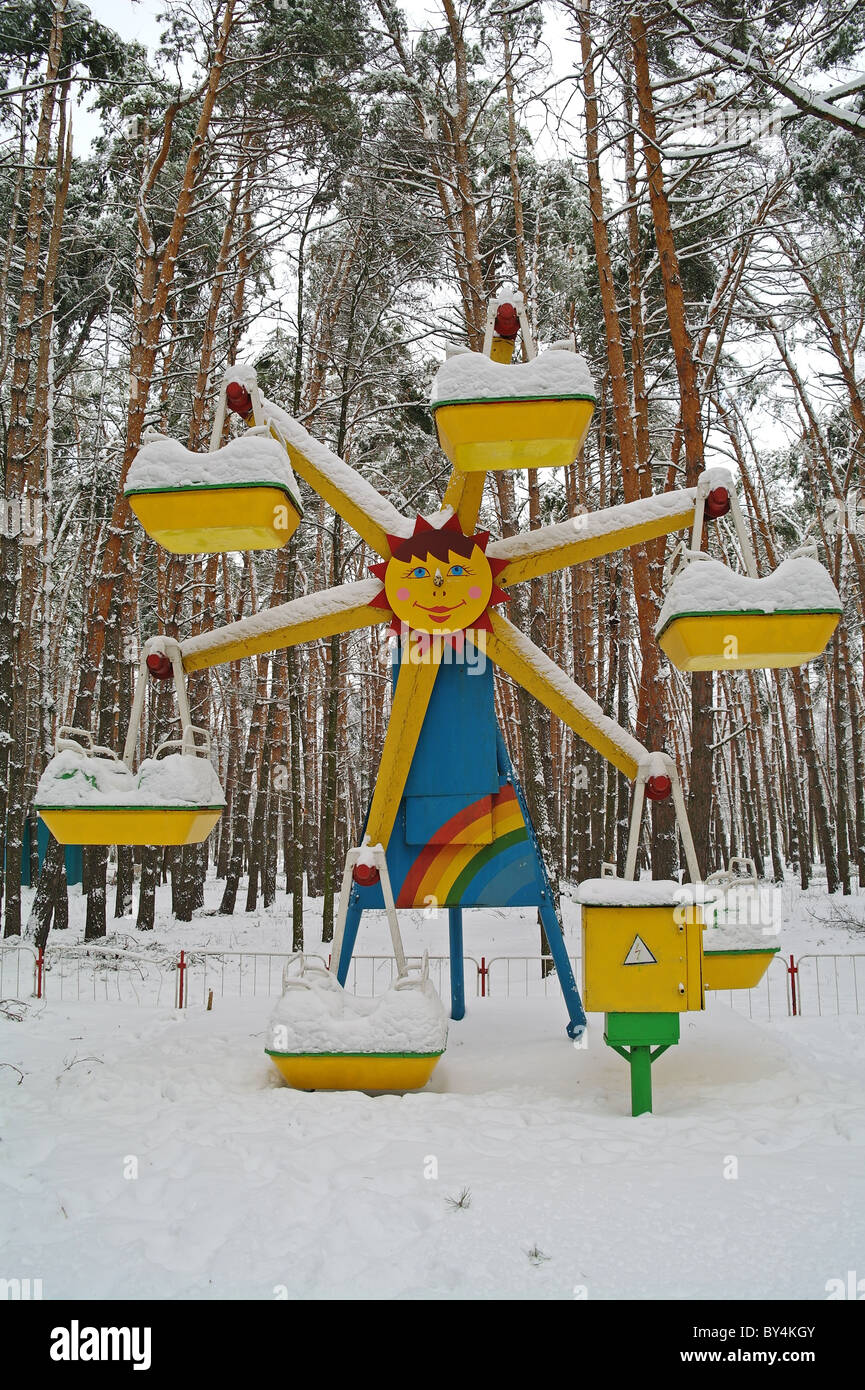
x=439, y=580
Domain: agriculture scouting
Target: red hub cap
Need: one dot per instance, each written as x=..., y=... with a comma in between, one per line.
x=365, y=874
x=159, y=666
x=507, y=324
x=237, y=398
x=717, y=503
x=658, y=788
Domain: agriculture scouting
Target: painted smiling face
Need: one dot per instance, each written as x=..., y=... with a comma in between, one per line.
x=439, y=593
x=439, y=580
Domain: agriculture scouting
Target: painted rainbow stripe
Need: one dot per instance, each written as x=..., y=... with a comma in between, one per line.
x=443, y=871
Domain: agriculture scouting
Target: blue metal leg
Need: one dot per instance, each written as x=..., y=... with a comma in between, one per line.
x=559, y=952
x=552, y=925
x=352, y=922
x=458, y=984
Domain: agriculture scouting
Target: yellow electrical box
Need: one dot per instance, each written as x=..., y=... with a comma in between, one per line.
x=642, y=959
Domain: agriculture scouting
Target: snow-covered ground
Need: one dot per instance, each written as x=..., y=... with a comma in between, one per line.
x=149, y=1152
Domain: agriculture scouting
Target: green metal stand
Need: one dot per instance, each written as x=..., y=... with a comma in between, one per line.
x=640, y=1039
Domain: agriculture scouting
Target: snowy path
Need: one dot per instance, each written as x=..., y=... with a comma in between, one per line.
x=245, y=1187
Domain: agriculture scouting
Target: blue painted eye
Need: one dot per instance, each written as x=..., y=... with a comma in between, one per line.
x=457, y=570
x=420, y=572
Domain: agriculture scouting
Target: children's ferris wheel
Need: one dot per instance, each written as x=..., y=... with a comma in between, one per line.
x=448, y=824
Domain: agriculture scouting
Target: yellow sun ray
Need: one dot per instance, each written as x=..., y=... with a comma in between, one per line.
x=464, y=493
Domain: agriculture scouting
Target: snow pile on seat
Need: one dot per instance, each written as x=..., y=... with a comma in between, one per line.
x=798, y=585
x=741, y=919
x=78, y=779
x=315, y=1015
x=470, y=376
x=166, y=463
x=732, y=936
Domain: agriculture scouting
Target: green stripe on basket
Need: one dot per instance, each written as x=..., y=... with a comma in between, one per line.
x=747, y=613
x=748, y=951
x=216, y=487
x=358, y=1056
x=513, y=400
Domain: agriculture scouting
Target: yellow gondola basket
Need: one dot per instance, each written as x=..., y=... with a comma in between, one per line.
x=123, y=825
x=745, y=641
x=481, y=435
x=85, y=823
x=208, y=519
x=380, y=1062
x=735, y=969
x=355, y=1071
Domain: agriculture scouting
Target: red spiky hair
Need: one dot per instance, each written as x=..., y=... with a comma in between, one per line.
x=439, y=541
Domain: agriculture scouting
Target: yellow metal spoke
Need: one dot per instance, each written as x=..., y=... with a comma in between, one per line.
x=531, y=668
x=343, y=609
x=584, y=537
x=464, y=493
x=353, y=498
x=342, y=502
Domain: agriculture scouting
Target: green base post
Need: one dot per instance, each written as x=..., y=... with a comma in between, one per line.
x=633, y=1036
x=641, y=1080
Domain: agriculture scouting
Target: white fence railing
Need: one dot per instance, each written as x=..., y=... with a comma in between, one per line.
x=526, y=977
x=812, y=984
x=831, y=984
x=771, y=998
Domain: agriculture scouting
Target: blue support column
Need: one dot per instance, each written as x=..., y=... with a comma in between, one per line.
x=352, y=922
x=559, y=952
x=458, y=985
x=551, y=924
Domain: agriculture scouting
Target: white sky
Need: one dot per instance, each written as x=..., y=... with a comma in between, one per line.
x=132, y=19
x=138, y=20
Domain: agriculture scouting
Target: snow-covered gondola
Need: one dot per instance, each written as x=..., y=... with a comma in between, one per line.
x=740, y=939
x=497, y=415
x=88, y=796
x=323, y=1039
x=715, y=619
x=242, y=496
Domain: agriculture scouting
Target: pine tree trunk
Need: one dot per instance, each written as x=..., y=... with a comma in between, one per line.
x=817, y=797
x=240, y=832
x=842, y=753
x=17, y=568
x=331, y=731
x=50, y=906
x=146, y=919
